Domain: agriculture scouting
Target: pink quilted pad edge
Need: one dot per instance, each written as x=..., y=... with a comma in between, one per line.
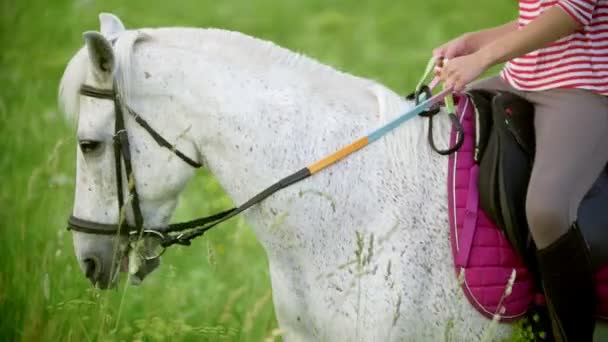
x=482, y=250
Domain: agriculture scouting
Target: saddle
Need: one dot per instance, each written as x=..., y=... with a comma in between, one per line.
x=504, y=151
x=487, y=184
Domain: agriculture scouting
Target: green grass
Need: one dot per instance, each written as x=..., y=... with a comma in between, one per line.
x=219, y=288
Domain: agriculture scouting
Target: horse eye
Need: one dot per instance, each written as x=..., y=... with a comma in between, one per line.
x=88, y=146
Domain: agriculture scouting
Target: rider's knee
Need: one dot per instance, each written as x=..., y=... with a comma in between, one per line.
x=547, y=216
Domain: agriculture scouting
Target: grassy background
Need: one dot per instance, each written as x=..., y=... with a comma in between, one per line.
x=219, y=288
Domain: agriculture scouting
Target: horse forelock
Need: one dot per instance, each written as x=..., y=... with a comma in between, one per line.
x=73, y=77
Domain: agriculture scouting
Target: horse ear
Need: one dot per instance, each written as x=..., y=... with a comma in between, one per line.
x=111, y=25
x=100, y=53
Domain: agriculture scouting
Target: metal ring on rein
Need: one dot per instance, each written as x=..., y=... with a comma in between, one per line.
x=415, y=96
x=149, y=233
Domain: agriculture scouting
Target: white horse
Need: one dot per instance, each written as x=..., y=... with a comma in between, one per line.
x=358, y=252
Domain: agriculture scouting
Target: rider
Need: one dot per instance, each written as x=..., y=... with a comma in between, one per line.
x=557, y=54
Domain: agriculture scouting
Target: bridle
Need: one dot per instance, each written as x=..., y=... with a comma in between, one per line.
x=176, y=233
x=182, y=233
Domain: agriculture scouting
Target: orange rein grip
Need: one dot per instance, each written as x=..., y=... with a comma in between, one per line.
x=338, y=155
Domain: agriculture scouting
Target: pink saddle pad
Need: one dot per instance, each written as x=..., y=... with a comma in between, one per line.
x=480, y=249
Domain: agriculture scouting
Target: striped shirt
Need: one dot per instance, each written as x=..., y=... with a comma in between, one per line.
x=579, y=60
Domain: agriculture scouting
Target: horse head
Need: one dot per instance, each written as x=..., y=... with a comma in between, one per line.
x=126, y=183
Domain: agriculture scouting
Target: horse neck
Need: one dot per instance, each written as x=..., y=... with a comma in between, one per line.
x=257, y=120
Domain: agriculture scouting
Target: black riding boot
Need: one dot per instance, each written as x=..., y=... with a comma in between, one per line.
x=568, y=283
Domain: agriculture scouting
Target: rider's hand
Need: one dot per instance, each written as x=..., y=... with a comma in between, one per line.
x=460, y=46
x=456, y=47
x=456, y=73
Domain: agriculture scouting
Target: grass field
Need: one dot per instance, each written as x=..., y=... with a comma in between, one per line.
x=218, y=289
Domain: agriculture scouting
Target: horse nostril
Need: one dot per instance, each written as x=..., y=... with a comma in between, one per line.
x=90, y=268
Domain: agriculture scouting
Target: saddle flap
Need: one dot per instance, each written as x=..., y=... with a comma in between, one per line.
x=505, y=167
x=513, y=168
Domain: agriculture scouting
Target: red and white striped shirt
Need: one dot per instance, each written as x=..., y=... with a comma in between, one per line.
x=579, y=60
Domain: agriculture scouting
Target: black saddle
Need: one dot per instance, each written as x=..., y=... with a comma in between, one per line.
x=504, y=150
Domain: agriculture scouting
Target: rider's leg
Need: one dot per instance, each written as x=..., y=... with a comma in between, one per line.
x=571, y=151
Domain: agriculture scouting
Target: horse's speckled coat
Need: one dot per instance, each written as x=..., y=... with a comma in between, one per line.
x=359, y=252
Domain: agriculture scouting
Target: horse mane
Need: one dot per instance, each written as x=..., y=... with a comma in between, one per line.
x=230, y=45
x=223, y=42
x=227, y=42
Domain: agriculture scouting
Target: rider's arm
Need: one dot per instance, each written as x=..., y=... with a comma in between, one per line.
x=479, y=39
x=551, y=25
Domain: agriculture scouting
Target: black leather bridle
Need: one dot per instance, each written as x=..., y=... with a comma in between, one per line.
x=176, y=233
x=122, y=154
x=182, y=233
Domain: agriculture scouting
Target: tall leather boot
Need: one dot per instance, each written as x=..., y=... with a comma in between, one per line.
x=568, y=283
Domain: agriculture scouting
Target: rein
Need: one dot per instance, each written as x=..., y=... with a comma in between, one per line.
x=182, y=233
